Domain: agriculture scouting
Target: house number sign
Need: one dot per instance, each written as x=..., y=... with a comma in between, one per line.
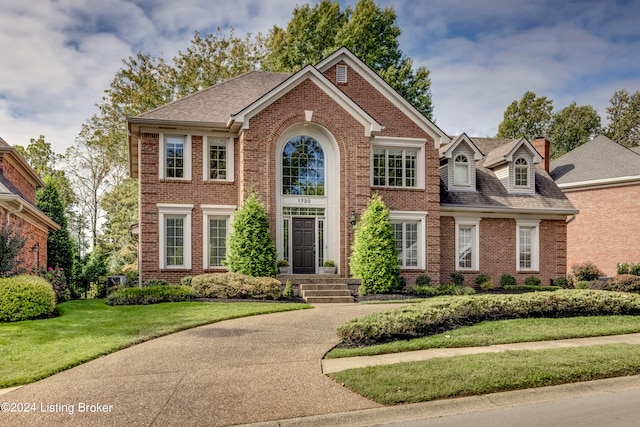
x=304, y=201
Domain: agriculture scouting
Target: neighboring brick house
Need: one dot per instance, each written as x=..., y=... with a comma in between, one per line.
x=315, y=145
x=18, y=185
x=602, y=179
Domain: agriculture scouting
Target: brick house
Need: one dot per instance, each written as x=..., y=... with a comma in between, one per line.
x=602, y=179
x=314, y=145
x=18, y=185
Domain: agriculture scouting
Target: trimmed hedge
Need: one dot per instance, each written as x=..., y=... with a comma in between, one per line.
x=150, y=295
x=620, y=283
x=235, y=285
x=25, y=297
x=531, y=288
x=435, y=317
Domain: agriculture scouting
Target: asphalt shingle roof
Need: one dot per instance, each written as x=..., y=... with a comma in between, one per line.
x=218, y=103
x=600, y=158
x=491, y=193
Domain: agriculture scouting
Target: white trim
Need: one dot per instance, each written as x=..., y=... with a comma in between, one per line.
x=206, y=152
x=535, y=244
x=369, y=124
x=162, y=166
x=214, y=211
x=165, y=210
x=330, y=201
x=475, y=242
x=506, y=212
x=345, y=55
x=600, y=183
x=386, y=142
x=421, y=219
x=448, y=153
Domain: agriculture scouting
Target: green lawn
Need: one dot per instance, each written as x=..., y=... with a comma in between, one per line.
x=503, y=332
x=35, y=349
x=488, y=373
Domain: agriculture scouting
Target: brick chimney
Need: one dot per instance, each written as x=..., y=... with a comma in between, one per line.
x=542, y=147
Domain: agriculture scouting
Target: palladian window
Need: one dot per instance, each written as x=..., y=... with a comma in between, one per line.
x=303, y=167
x=461, y=170
x=521, y=173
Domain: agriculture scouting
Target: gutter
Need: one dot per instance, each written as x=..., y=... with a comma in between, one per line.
x=570, y=220
x=13, y=211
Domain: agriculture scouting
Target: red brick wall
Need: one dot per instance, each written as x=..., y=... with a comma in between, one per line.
x=498, y=250
x=32, y=235
x=13, y=174
x=604, y=230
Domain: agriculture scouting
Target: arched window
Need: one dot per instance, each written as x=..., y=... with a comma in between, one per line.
x=461, y=170
x=303, y=167
x=521, y=173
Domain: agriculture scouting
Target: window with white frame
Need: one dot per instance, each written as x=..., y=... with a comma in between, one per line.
x=175, y=157
x=408, y=230
x=521, y=173
x=397, y=162
x=218, y=159
x=175, y=236
x=217, y=225
x=527, y=245
x=467, y=244
x=461, y=170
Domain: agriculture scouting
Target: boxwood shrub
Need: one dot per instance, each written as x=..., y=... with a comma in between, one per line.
x=25, y=297
x=437, y=316
x=150, y=295
x=235, y=285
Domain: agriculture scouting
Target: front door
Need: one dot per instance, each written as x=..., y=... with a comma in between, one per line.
x=304, y=246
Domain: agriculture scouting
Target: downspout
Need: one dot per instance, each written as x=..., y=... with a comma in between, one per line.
x=570, y=220
x=9, y=213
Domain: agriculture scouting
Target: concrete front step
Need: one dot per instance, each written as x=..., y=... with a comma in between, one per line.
x=326, y=293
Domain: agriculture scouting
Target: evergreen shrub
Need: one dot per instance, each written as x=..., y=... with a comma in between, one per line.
x=25, y=297
x=507, y=280
x=150, y=295
x=235, y=285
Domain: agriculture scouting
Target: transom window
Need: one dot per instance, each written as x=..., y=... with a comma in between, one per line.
x=394, y=167
x=461, y=170
x=303, y=167
x=521, y=173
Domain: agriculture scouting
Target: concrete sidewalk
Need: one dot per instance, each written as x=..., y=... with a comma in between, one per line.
x=336, y=365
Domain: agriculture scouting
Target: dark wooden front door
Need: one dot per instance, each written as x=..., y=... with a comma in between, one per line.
x=304, y=246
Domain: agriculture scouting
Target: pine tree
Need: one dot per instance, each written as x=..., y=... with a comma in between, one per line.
x=375, y=257
x=250, y=248
x=59, y=244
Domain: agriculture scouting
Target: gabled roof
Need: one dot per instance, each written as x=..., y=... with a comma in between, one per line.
x=504, y=153
x=446, y=151
x=345, y=55
x=492, y=196
x=598, y=161
x=205, y=106
x=309, y=72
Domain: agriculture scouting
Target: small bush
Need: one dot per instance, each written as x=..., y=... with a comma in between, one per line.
x=583, y=284
x=623, y=268
x=186, y=281
x=155, y=282
x=562, y=282
x=453, y=289
x=426, y=318
x=423, y=279
x=481, y=278
x=58, y=281
x=288, y=290
x=622, y=283
x=532, y=281
x=507, y=280
x=235, y=285
x=487, y=285
x=586, y=271
x=25, y=297
x=634, y=269
x=457, y=278
x=424, y=290
x=150, y=295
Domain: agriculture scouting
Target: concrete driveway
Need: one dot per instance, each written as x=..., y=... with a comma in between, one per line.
x=245, y=370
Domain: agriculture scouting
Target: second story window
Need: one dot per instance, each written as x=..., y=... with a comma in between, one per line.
x=521, y=173
x=175, y=157
x=394, y=167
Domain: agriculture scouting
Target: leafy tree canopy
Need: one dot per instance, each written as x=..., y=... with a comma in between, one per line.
x=624, y=118
x=530, y=117
x=571, y=127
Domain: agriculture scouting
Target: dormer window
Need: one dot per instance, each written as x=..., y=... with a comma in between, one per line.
x=461, y=170
x=521, y=173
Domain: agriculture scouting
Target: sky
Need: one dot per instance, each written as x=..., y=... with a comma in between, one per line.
x=58, y=56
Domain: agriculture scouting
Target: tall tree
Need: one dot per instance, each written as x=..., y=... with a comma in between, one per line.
x=59, y=244
x=530, y=117
x=120, y=205
x=368, y=30
x=624, y=118
x=571, y=127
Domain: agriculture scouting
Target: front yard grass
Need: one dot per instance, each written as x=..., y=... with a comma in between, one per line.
x=86, y=329
x=489, y=373
x=504, y=332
